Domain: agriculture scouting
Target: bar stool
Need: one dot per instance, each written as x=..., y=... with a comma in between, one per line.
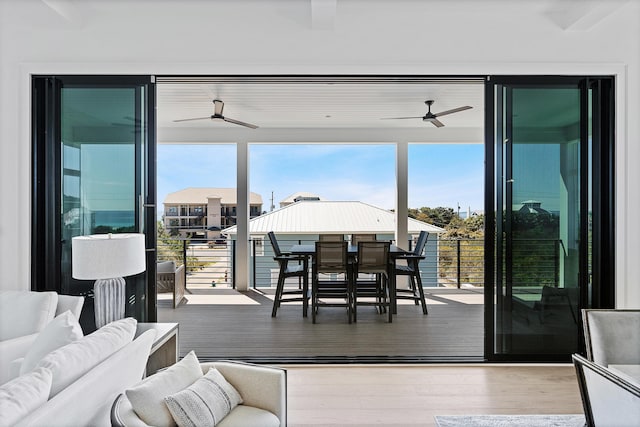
x=412, y=269
x=288, y=270
x=331, y=258
x=373, y=258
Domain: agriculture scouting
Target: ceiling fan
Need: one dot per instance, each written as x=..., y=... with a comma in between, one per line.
x=218, y=106
x=432, y=117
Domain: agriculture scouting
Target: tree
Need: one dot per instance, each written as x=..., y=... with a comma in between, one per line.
x=172, y=249
x=439, y=216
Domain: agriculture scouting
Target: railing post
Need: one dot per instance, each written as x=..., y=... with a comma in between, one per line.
x=233, y=264
x=253, y=263
x=458, y=262
x=184, y=261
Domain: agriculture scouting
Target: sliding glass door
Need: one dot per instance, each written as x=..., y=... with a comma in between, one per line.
x=543, y=214
x=94, y=160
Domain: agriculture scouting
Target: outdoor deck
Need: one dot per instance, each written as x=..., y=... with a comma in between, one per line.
x=221, y=323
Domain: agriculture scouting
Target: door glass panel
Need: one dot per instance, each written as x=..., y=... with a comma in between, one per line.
x=538, y=288
x=101, y=167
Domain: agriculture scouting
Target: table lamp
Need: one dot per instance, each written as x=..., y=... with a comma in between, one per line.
x=107, y=258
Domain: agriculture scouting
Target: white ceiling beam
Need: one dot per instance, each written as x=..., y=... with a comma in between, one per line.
x=323, y=14
x=427, y=134
x=66, y=9
x=582, y=15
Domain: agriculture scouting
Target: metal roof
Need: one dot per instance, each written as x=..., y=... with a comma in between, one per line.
x=300, y=194
x=330, y=217
x=199, y=195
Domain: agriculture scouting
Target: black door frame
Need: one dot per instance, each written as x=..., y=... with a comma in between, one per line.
x=602, y=277
x=46, y=231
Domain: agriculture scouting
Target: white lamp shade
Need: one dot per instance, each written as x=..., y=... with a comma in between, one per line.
x=107, y=256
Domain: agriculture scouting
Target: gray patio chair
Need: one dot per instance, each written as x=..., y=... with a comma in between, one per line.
x=288, y=268
x=170, y=278
x=612, y=336
x=373, y=259
x=412, y=270
x=335, y=291
x=607, y=399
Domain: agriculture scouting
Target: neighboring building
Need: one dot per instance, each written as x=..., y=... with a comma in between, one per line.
x=203, y=212
x=298, y=197
x=305, y=220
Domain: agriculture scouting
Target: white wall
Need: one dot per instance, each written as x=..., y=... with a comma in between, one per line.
x=276, y=37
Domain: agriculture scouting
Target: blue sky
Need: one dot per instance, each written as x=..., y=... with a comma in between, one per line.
x=439, y=174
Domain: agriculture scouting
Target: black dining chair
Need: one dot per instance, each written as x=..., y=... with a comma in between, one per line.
x=288, y=268
x=355, y=238
x=331, y=259
x=412, y=270
x=372, y=259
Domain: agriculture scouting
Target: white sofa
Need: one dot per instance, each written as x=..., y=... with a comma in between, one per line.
x=87, y=401
x=23, y=314
x=263, y=389
x=53, y=375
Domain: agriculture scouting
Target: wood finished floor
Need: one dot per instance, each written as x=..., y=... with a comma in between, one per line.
x=223, y=323
x=398, y=395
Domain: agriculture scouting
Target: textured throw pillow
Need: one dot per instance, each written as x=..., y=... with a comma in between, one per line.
x=205, y=402
x=23, y=395
x=72, y=361
x=61, y=331
x=147, y=398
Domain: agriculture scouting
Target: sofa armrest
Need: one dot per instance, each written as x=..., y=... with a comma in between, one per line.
x=264, y=387
x=11, y=350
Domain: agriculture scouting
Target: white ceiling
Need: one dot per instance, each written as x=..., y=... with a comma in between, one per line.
x=317, y=110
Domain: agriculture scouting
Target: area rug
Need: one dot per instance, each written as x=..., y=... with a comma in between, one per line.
x=510, y=420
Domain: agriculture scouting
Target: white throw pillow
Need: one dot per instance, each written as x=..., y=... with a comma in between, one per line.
x=23, y=395
x=25, y=313
x=205, y=402
x=72, y=361
x=147, y=398
x=61, y=331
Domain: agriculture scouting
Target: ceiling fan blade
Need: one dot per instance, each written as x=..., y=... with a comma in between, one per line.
x=197, y=118
x=455, y=110
x=437, y=123
x=399, y=118
x=238, y=122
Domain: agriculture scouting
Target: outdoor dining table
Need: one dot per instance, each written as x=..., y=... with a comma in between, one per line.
x=352, y=250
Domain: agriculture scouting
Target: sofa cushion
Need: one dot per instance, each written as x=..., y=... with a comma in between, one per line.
x=205, y=402
x=70, y=362
x=249, y=416
x=23, y=395
x=62, y=330
x=40, y=307
x=147, y=398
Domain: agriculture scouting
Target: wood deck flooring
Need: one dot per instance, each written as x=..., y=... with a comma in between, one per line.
x=223, y=323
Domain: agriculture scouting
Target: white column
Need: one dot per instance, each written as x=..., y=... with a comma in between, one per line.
x=402, y=194
x=242, y=215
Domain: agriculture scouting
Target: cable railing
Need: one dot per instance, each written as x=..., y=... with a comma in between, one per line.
x=448, y=262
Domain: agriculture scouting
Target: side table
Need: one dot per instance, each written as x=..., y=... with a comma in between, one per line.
x=164, y=351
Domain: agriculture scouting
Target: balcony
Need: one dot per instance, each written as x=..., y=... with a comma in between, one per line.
x=241, y=325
